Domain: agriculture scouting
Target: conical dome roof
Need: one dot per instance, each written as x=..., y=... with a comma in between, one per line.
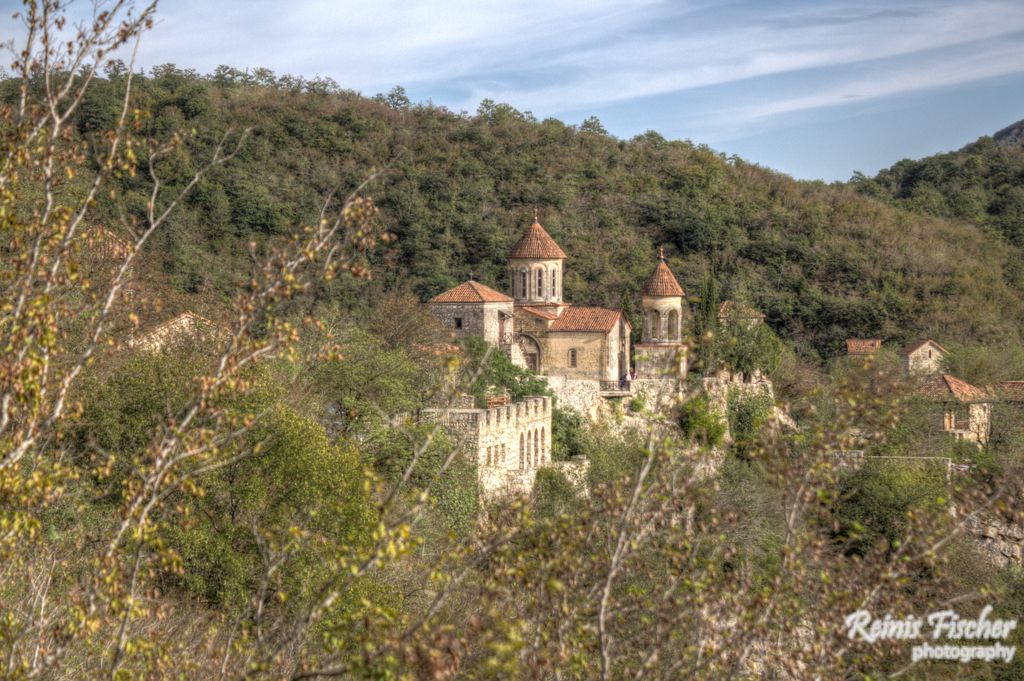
x=536, y=244
x=662, y=283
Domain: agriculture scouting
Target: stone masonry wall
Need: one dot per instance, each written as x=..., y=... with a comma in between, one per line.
x=478, y=319
x=1001, y=541
x=507, y=443
x=590, y=349
x=581, y=395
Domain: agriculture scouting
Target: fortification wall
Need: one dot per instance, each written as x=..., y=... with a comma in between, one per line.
x=507, y=444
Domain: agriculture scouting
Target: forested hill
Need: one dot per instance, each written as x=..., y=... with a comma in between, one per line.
x=824, y=262
x=982, y=183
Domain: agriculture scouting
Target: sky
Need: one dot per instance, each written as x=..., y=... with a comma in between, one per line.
x=815, y=89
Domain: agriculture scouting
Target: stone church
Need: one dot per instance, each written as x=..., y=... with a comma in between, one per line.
x=542, y=332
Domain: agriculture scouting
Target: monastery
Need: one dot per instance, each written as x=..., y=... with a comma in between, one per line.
x=543, y=332
x=584, y=352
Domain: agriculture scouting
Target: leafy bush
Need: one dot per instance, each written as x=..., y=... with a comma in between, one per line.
x=553, y=494
x=700, y=423
x=567, y=434
x=497, y=372
x=874, y=501
x=747, y=415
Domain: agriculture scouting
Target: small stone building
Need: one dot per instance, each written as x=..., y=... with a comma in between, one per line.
x=472, y=309
x=924, y=357
x=536, y=327
x=966, y=409
x=506, y=443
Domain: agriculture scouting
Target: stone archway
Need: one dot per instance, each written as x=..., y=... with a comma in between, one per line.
x=531, y=350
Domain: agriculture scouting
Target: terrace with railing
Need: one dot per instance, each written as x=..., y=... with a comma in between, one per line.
x=620, y=388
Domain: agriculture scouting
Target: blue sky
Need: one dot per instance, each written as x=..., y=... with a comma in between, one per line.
x=814, y=89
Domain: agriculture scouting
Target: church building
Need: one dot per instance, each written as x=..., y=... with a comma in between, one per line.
x=544, y=333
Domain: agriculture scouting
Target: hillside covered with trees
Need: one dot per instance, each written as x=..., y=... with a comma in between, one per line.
x=264, y=495
x=982, y=183
x=823, y=262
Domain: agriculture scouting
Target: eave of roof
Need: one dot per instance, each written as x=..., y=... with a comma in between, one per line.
x=951, y=386
x=538, y=312
x=920, y=344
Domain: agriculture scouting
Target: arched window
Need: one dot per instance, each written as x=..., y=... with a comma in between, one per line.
x=654, y=321
x=540, y=283
x=572, y=358
x=536, y=448
x=554, y=283
x=543, y=445
x=522, y=283
x=522, y=450
x=673, y=325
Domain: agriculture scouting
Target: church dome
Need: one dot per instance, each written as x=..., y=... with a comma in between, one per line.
x=536, y=244
x=662, y=283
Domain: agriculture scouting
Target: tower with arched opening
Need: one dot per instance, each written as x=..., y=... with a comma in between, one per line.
x=661, y=352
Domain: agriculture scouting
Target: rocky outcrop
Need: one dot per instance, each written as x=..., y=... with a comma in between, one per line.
x=1002, y=542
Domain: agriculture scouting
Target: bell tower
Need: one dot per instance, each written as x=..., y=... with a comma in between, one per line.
x=661, y=352
x=662, y=305
x=535, y=267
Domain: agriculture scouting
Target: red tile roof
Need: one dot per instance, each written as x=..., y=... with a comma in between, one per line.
x=587, y=319
x=920, y=344
x=471, y=292
x=662, y=282
x=945, y=386
x=536, y=243
x=862, y=346
x=539, y=312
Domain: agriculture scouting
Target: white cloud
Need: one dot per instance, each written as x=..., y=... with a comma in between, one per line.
x=557, y=56
x=940, y=71
x=641, y=67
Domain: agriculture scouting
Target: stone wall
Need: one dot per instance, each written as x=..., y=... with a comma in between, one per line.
x=717, y=388
x=507, y=444
x=1001, y=541
x=658, y=394
x=576, y=471
x=924, y=360
x=582, y=395
x=533, y=294
x=477, y=319
x=661, y=361
x=591, y=350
